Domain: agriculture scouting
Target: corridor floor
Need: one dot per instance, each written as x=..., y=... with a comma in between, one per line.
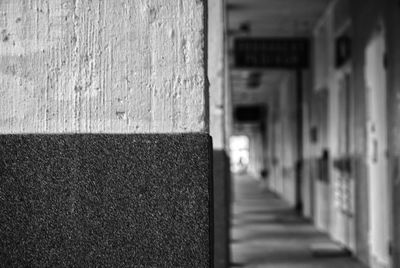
x=266, y=232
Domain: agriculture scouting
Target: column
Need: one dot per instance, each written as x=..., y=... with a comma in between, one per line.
x=104, y=145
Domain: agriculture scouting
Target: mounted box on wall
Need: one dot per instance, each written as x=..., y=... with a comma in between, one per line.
x=342, y=50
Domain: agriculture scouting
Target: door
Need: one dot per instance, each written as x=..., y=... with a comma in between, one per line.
x=343, y=226
x=378, y=180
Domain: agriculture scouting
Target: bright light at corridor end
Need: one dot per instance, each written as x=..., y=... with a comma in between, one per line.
x=239, y=149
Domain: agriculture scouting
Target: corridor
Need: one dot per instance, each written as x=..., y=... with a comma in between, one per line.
x=266, y=232
x=122, y=120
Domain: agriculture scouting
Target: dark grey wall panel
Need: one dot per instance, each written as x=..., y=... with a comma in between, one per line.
x=97, y=200
x=222, y=204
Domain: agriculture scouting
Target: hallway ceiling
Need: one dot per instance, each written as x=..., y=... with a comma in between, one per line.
x=275, y=17
x=268, y=18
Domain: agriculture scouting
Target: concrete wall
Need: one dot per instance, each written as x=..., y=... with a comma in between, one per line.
x=218, y=114
x=216, y=75
x=102, y=66
x=105, y=66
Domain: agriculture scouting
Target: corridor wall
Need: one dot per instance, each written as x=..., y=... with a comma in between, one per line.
x=348, y=117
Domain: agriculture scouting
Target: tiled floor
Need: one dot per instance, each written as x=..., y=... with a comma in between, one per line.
x=267, y=233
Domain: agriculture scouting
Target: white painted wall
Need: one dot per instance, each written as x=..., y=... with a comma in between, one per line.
x=112, y=66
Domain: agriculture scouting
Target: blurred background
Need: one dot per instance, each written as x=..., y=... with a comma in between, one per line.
x=306, y=94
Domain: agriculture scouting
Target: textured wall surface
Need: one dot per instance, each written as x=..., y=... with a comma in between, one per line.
x=114, y=66
x=97, y=200
x=216, y=72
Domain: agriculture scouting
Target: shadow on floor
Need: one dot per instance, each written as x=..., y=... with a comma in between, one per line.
x=267, y=233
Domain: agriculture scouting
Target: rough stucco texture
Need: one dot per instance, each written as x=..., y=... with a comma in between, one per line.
x=101, y=200
x=113, y=66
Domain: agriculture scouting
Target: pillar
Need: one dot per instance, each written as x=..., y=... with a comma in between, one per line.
x=218, y=114
x=105, y=152
x=393, y=67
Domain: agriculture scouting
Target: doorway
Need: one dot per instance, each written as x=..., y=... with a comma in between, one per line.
x=378, y=179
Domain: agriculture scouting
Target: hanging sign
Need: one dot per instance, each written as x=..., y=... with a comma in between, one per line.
x=286, y=53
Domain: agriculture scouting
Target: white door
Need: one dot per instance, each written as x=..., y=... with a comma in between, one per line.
x=379, y=224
